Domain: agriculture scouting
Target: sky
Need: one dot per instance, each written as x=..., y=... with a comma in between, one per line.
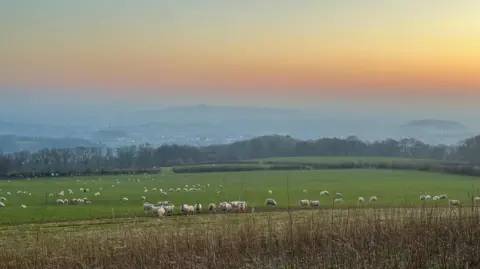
x=400, y=53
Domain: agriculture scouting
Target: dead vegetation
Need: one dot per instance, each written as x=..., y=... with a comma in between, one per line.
x=368, y=238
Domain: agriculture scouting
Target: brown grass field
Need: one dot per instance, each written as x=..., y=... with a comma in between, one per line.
x=407, y=238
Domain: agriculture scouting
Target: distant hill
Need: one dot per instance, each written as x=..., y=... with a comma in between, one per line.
x=109, y=134
x=434, y=124
x=14, y=143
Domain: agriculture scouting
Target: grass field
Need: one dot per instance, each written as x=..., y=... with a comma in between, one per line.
x=393, y=188
x=315, y=159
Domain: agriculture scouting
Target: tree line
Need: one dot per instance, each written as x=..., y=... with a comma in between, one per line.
x=145, y=157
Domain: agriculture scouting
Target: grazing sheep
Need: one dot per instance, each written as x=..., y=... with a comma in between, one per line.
x=3, y=199
x=453, y=202
x=65, y=201
x=315, y=203
x=338, y=200
x=428, y=197
x=373, y=199
x=242, y=206
x=23, y=206
x=436, y=198
x=212, y=207
x=305, y=191
x=96, y=194
x=324, y=193
x=169, y=209
x=187, y=209
x=124, y=199
x=60, y=201
x=443, y=197
x=304, y=202
x=361, y=200
x=225, y=207
x=2, y=204
x=198, y=207
x=270, y=192
x=159, y=211
x=270, y=202
x=88, y=202
x=338, y=195
x=148, y=206
x=476, y=200
x=422, y=198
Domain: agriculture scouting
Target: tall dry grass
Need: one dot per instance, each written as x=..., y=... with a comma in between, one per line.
x=393, y=238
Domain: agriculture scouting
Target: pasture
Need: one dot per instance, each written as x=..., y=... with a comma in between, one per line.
x=333, y=160
x=394, y=188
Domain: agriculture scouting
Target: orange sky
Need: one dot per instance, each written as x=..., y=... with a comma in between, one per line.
x=329, y=46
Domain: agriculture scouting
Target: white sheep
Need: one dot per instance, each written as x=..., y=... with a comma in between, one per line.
x=65, y=201
x=270, y=202
x=226, y=207
x=453, y=202
x=169, y=209
x=422, y=198
x=270, y=192
x=3, y=199
x=436, y=198
x=361, y=200
x=147, y=206
x=305, y=191
x=428, y=197
x=212, y=207
x=159, y=211
x=23, y=206
x=2, y=204
x=242, y=206
x=324, y=193
x=476, y=200
x=124, y=199
x=338, y=200
x=198, y=207
x=443, y=197
x=304, y=202
x=338, y=195
x=373, y=199
x=314, y=203
x=96, y=194
x=60, y=201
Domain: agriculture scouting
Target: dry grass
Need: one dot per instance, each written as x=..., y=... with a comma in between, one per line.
x=388, y=238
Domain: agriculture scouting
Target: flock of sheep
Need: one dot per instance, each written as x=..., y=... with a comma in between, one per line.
x=164, y=208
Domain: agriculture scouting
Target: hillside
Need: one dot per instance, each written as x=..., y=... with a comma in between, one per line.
x=435, y=124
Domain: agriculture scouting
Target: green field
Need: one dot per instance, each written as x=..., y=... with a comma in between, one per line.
x=315, y=159
x=393, y=188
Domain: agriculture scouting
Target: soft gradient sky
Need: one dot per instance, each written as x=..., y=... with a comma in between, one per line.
x=245, y=50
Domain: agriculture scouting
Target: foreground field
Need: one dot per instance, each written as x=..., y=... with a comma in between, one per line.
x=393, y=188
x=336, y=238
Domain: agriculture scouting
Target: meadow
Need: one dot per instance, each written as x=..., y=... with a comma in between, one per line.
x=394, y=188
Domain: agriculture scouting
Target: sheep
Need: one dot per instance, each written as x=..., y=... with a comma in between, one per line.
x=96, y=194
x=436, y=198
x=305, y=191
x=163, y=193
x=65, y=201
x=242, y=206
x=2, y=204
x=428, y=197
x=324, y=193
x=270, y=202
x=23, y=206
x=3, y=199
x=60, y=201
x=422, y=198
x=198, y=207
x=124, y=199
x=88, y=202
x=373, y=199
x=361, y=200
x=270, y=192
x=212, y=207
x=226, y=207
x=169, y=209
x=476, y=200
x=147, y=206
x=159, y=211
x=338, y=195
x=304, y=202
x=453, y=202
x=338, y=200
x=443, y=197
x=315, y=203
